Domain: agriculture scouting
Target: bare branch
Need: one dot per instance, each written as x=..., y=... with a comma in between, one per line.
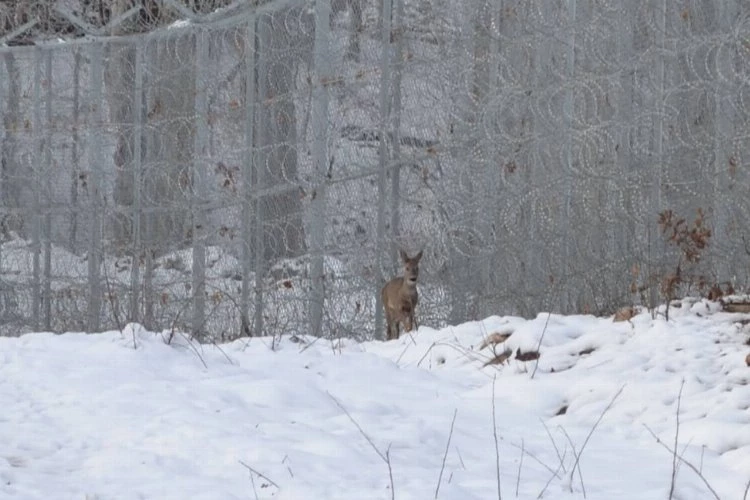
x=554, y=444
x=259, y=474
x=577, y=455
x=497, y=448
x=447, y=446
x=539, y=344
x=553, y=476
x=682, y=459
x=676, y=435
x=386, y=457
x=520, y=465
x=596, y=424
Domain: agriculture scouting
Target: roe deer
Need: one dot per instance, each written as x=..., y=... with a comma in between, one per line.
x=400, y=297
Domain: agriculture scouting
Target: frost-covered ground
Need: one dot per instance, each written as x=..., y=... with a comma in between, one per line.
x=90, y=417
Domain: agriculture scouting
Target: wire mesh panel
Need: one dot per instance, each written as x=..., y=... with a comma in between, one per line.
x=235, y=168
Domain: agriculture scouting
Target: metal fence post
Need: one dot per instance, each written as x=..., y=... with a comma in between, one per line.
x=247, y=180
x=4, y=76
x=320, y=159
x=36, y=230
x=75, y=155
x=384, y=160
x=395, y=133
x=724, y=159
x=47, y=230
x=568, y=110
x=135, y=269
x=96, y=206
x=624, y=240
x=198, y=185
x=259, y=170
x=655, y=205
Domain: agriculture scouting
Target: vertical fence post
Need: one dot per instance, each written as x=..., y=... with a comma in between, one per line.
x=724, y=159
x=623, y=240
x=135, y=268
x=47, y=229
x=568, y=110
x=320, y=158
x=655, y=205
x=36, y=229
x=149, y=53
x=4, y=77
x=74, y=151
x=495, y=177
x=395, y=111
x=198, y=189
x=96, y=206
x=247, y=176
x=260, y=164
x=384, y=163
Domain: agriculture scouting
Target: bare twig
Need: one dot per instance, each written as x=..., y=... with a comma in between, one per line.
x=390, y=470
x=361, y=431
x=258, y=474
x=255, y=491
x=460, y=458
x=288, y=468
x=459, y=349
x=386, y=457
x=520, y=465
x=676, y=435
x=747, y=488
x=115, y=307
x=194, y=349
x=222, y=351
x=445, y=455
x=533, y=457
x=554, y=444
x=593, y=428
x=494, y=433
x=684, y=461
x=539, y=344
x=425, y=354
x=309, y=345
x=406, y=347
x=553, y=476
x=577, y=455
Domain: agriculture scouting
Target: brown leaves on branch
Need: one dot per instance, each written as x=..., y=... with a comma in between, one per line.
x=691, y=239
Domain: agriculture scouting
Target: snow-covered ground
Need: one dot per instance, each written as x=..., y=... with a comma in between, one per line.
x=92, y=417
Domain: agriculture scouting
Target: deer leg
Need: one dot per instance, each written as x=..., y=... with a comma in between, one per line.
x=407, y=323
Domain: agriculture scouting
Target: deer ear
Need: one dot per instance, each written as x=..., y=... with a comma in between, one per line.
x=403, y=255
x=418, y=256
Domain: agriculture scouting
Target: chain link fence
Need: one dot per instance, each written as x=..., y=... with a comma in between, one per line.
x=246, y=168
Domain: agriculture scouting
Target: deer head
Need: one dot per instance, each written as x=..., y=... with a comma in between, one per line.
x=411, y=266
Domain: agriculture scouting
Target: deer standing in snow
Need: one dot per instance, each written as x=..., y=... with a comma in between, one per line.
x=400, y=297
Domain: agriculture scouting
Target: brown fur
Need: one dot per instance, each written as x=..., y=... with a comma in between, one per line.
x=400, y=298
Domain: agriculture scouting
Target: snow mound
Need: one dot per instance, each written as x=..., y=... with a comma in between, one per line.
x=137, y=414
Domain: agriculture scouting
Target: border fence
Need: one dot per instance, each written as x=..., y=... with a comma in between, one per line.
x=240, y=167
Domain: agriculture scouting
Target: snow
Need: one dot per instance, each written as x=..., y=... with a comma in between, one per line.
x=92, y=417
